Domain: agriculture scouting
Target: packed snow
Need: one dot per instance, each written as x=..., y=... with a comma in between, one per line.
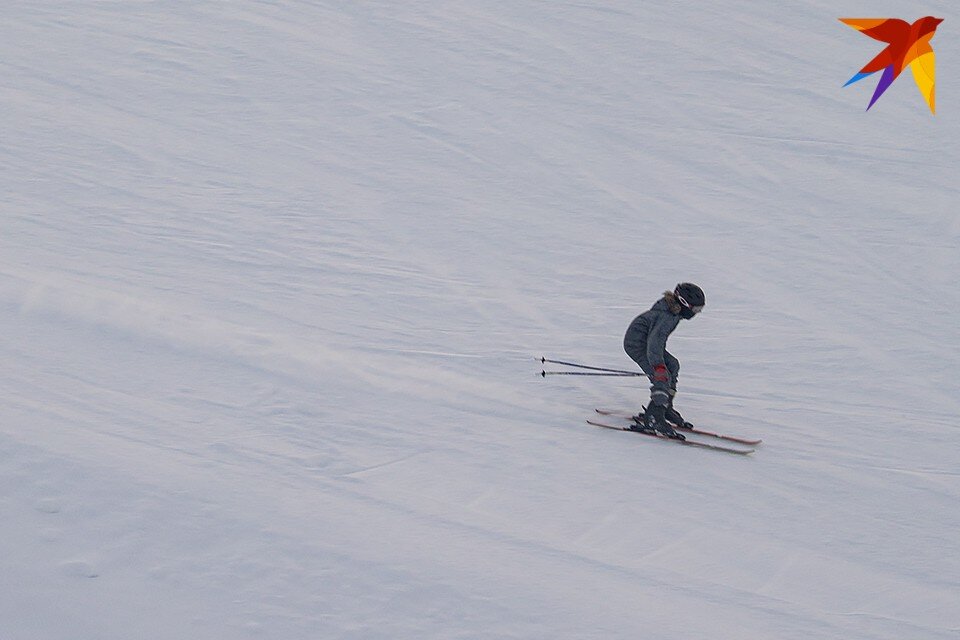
x=275, y=277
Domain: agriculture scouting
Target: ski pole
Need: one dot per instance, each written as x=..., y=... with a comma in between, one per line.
x=583, y=366
x=625, y=374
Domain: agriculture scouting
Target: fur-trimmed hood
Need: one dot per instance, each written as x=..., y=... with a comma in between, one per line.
x=672, y=303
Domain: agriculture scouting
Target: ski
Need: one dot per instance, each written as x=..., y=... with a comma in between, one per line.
x=628, y=416
x=688, y=443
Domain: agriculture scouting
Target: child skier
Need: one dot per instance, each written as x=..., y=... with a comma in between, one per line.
x=646, y=343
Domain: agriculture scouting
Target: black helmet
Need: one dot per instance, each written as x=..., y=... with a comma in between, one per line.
x=691, y=299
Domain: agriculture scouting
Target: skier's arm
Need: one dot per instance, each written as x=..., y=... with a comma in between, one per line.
x=656, y=346
x=657, y=336
x=673, y=366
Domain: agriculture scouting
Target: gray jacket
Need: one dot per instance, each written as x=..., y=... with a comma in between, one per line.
x=646, y=337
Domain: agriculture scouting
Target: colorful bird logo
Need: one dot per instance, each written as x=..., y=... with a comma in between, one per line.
x=907, y=44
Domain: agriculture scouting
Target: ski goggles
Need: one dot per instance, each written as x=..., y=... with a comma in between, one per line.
x=694, y=309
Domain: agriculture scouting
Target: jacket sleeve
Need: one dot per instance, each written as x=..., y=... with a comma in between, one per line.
x=660, y=330
x=673, y=366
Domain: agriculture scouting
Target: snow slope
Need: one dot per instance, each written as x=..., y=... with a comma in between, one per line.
x=273, y=274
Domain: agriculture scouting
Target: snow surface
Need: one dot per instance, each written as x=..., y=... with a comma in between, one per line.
x=273, y=275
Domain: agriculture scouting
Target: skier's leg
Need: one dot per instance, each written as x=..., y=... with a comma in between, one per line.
x=655, y=416
x=660, y=377
x=673, y=367
x=638, y=353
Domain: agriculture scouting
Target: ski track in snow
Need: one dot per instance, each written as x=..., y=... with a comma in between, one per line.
x=274, y=277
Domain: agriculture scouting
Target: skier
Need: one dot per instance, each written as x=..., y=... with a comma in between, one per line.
x=646, y=343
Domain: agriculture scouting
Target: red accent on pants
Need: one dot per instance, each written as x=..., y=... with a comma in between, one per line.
x=660, y=373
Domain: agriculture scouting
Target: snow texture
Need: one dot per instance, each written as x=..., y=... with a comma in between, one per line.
x=273, y=276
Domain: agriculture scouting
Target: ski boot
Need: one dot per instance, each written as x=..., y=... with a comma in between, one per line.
x=652, y=420
x=673, y=416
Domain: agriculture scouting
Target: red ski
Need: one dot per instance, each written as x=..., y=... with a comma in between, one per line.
x=686, y=429
x=688, y=443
